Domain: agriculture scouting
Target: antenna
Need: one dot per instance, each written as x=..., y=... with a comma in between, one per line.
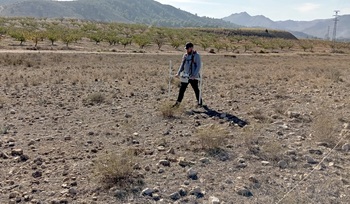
x=336, y=19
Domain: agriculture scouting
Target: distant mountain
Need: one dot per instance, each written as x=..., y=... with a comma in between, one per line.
x=126, y=11
x=301, y=29
x=4, y=2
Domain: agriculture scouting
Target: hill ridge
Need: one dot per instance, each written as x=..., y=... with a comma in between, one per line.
x=132, y=11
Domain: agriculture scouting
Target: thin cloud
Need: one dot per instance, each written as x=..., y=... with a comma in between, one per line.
x=187, y=1
x=307, y=7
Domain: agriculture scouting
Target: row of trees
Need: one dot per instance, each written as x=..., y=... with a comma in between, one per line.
x=70, y=31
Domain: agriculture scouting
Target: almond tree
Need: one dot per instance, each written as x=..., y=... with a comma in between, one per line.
x=36, y=36
x=142, y=40
x=53, y=34
x=111, y=37
x=19, y=34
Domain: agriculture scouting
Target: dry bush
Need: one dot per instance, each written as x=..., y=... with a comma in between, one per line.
x=2, y=101
x=212, y=136
x=168, y=111
x=324, y=128
x=334, y=75
x=251, y=138
x=279, y=108
x=117, y=170
x=94, y=98
x=272, y=151
x=259, y=115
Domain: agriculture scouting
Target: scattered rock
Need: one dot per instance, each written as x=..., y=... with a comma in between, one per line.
x=346, y=147
x=161, y=148
x=320, y=167
x=164, y=162
x=17, y=152
x=160, y=171
x=242, y=165
x=156, y=197
x=23, y=158
x=120, y=194
x=204, y=160
x=12, y=111
x=292, y=114
x=243, y=191
x=147, y=192
x=73, y=191
x=175, y=196
x=14, y=194
x=183, y=192
x=171, y=151
x=214, y=200
x=315, y=151
x=282, y=164
x=31, y=143
x=147, y=168
x=265, y=163
x=192, y=174
x=4, y=155
x=184, y=163
x=37, y=174
x=196, y=191
x=310, y=160
x=322, y=144
x=137, y=166
x=67, y=138
x=291, y=152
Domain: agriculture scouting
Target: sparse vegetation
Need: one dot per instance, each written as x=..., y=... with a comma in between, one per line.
x=168, y=111
x=325, y=128
x=50, y=112
x=94, y=98
x=114, y=169
x=212, y=137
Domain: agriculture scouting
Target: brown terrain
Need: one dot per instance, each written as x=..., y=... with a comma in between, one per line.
x=93, y=124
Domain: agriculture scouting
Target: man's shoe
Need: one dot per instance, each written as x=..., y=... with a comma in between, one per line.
x=176, y=105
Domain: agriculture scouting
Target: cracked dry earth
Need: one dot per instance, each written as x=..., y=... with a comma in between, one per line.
x=62, y=113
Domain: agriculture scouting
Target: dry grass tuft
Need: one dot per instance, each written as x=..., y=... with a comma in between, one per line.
x=2, y=102
x=324, y=128
x=94, y=98
x=212, y=136
x=168, y=111
x=116, y=169
x=273, y=151
x=259, y=116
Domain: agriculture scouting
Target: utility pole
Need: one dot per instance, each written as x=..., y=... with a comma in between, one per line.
x=335, y=25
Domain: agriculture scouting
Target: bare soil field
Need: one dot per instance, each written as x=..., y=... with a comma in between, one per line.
x=97, y=128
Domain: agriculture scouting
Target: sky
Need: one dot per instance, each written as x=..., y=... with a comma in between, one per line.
x=274, y=9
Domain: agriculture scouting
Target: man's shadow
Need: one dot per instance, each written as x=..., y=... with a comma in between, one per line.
x=226, y=116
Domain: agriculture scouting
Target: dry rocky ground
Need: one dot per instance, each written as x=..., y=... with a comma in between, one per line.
x=70, y=122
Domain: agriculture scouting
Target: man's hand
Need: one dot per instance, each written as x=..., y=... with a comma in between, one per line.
x=177, y=76
x=192, y=78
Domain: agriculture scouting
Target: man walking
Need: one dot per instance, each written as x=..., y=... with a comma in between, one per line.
x=189, y=73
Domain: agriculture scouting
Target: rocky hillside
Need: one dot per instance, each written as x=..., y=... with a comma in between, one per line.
x=131, y=11
x=316, y=28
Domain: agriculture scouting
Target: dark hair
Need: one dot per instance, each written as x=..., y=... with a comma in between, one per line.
x=188, y=45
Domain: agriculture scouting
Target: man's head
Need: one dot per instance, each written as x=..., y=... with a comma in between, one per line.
x=189, y=47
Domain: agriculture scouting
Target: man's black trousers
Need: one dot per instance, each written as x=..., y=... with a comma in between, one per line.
x=194, y=83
